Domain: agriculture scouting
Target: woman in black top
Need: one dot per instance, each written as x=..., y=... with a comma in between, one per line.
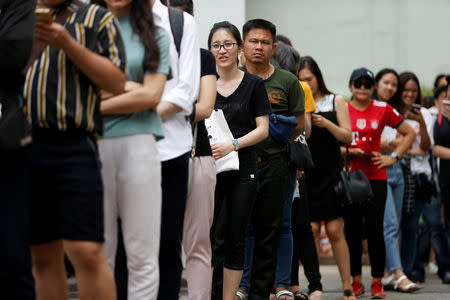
x=331, y=125
x=243, y=99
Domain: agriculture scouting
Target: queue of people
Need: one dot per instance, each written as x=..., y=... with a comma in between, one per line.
x=117, y=93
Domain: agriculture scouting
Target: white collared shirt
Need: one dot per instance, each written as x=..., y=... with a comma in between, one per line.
x=183, y=88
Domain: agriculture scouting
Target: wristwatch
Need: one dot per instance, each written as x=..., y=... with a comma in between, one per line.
x=235, y=144
x=395, y=155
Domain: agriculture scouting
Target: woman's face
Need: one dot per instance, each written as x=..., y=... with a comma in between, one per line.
x=362, y=89
x=225, y=57
x=119, y=7
x=306, y=75
x=387, y=86
x=409, y=93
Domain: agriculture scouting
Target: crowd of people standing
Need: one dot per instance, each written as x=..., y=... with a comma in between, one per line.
x=121, y=176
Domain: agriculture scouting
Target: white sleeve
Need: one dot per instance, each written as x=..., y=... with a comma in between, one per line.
x=428, y=123
x=186, y=91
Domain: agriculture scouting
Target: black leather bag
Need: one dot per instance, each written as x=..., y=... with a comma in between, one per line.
x=15, y=130
x=300, y=156
x=353, y=187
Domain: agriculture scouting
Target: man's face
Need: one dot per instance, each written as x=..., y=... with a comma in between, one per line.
x=259, y=46
x=51, y=3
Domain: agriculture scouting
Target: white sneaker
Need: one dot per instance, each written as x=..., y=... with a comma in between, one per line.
x=432, y=267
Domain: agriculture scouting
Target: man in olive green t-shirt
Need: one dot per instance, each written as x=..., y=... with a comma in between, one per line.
x=287, y=98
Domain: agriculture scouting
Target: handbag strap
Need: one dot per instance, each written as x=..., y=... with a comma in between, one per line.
x=348, y=160
x=194, y=140
x=65, y=11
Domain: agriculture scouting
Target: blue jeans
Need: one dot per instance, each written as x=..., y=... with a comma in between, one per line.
x=408, y=245
x=392, y=216
x=285, y=249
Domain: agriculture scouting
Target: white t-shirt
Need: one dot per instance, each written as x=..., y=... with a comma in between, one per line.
x=389, y=133
x=421, y=164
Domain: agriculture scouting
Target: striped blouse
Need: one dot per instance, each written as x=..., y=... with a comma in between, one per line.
x=57, y=94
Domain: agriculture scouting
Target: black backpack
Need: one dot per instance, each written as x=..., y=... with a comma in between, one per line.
x=176, y=19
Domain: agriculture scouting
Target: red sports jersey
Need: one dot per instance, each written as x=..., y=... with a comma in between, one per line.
x=367, y=126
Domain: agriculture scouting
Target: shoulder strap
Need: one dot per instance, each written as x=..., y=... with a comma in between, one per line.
x=61, y=17
x=334, y=102
x=176, y=19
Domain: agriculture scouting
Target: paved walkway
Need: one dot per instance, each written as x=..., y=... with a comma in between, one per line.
x=433, y=288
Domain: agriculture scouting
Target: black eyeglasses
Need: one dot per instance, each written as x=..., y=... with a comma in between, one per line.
x=367, y=84
x=227, y=46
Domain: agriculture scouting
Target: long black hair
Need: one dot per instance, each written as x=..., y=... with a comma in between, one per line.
x=403, y=79
x=227, y=26
x=141, y=19
x=309, y=63
x=380, y=75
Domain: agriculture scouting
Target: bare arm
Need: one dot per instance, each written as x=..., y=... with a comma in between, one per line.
x=253, y=137
x=100, y=70
x=441, y=152
x=140, y=98
x=385, y=146
x=382, y=161
x=206, y=98
x=167, y=109
x=300, y=126
x=408, y=138
x=307, y=125
x=343, y=132
x=425, y=142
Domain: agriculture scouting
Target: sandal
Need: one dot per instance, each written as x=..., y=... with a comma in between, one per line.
x=316, y=295
x=388, y=282
x=284, y=293
x=241, y=295
x=298, y=295
x=348, y=293
x=410, y=287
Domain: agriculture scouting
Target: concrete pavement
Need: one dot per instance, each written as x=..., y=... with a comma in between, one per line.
x=433, y=289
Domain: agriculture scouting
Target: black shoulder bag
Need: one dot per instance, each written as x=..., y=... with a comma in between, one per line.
x=300, y=156
x=353, y=187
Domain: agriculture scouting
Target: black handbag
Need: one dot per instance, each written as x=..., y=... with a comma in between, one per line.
x=353, y=187
x=15, y=130
x=300, y=156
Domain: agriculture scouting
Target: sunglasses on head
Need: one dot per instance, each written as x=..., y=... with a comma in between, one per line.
x=367, y=84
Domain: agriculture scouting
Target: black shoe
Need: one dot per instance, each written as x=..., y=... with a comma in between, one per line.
x=445, y=277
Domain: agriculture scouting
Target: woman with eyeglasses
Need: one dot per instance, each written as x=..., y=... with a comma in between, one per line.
x=368, y=117
x=243, y=99
x=394, y=278
x=330, y=126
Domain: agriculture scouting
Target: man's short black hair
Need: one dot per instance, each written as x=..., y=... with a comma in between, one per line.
x=259, y=24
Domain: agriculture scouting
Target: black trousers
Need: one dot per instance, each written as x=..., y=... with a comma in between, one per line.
x=236, y=195
x=174, y=174
x=15, y=258
x=369, y=217
x=304, y=246
x=273, y=184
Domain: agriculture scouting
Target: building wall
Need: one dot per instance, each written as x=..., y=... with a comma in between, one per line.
x=343, y=35
x=208, y=12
